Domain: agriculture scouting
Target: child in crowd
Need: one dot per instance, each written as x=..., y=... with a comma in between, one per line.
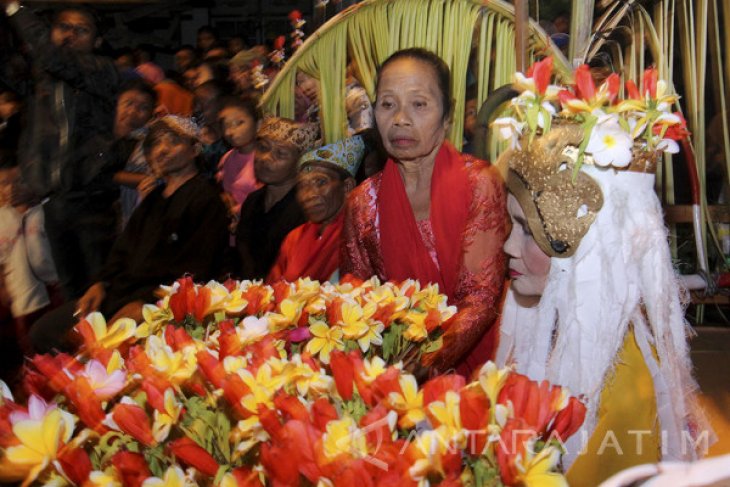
x=28, y=278
x=239, y=119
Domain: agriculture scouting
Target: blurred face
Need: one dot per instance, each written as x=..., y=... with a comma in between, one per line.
x=470, y=118
x=409, y=111
x=75, y=31
x=309, y=86
x=204, y=74
x=204, y=104
x=235, y=45
x=205, y=40
x=239, y=127
x=275, y=162
x=13, y=190
x=321, y=193
x=183, y=59
x=528, y=265
x=171, y=154
x=190, y=78
x=241, y=77
x=134, y=110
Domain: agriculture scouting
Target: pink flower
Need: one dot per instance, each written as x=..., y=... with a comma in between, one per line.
x=105, y=385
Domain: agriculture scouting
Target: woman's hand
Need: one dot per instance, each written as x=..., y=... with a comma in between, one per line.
x=131, y=310
x=91, y=300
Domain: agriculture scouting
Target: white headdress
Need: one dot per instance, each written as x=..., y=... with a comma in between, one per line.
x=615, y=274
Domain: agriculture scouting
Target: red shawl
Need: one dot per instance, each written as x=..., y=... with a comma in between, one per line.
x=404, y=253
x=306, y=253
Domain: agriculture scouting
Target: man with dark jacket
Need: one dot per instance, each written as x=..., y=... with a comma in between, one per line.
x=181, y=227
x=64, y=148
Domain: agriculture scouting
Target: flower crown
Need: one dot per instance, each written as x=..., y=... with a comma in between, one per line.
x=614, y=129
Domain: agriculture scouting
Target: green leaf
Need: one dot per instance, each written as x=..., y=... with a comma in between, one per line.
x=355, y=407
x=485, y=475
x=432, y=345
x=157, y=460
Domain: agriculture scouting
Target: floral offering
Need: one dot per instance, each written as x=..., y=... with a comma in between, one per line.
x=242, y=384
x=614, y=128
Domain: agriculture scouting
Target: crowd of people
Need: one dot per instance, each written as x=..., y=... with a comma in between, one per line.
x=127, y=177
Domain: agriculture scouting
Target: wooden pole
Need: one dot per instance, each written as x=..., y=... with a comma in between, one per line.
x=522, y=15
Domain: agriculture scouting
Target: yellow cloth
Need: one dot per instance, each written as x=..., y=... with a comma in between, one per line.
x=628, y=403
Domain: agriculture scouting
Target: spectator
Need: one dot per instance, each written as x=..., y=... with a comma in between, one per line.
x=326, y=176
x=207, y=39
x=63, y=149
x=180, y=227
x=205, y=111
x=270, y=213
x=184, y=58
x=28, y=274
x=145, y=66
x=236, y=44
x=135, y=107
x=238, y=119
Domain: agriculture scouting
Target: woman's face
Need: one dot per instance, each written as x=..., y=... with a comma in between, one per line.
x=409, y=110
x=528, y=265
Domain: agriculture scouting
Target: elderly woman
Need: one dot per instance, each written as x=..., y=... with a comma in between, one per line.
x=594, y=305
x=432, y=214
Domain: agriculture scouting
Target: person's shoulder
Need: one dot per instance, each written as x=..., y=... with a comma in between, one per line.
x=368, y=188
x=481, y=171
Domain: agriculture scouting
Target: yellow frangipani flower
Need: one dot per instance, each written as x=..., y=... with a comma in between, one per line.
x=416, y=330
x=372, y=368
x=174, y=477
x=324, y=340
x=177, y=366
x=306, y=379
x=290, y=312
x=430, y=447
x=163, y=422
x=539, y=470
x=154, y=318
x=409, y=404
x=234, y=363
x=344, y=437
x=263, y=386
x=372, y=336
x=492, y=379
x=354, y=322
x=114, y=335
x=248, y=433
x=447, y=415
x=107, y=478
x=40, y=439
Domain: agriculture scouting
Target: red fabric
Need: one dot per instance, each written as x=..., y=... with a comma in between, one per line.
x=404, y=254
x=306, y=253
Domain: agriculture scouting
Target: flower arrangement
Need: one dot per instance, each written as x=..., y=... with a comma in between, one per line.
x=614, y=128
x=220, y=386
